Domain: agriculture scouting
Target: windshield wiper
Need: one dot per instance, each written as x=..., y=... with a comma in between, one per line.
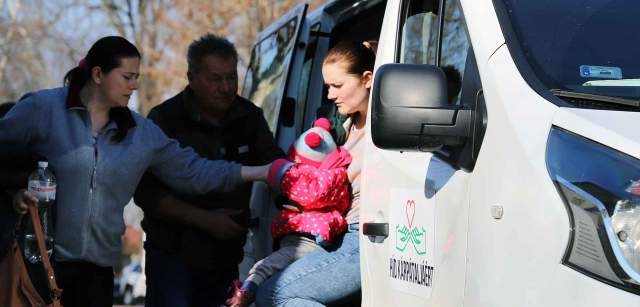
x=594, y=97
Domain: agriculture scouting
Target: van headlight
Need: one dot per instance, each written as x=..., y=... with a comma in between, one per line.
x=601, y=191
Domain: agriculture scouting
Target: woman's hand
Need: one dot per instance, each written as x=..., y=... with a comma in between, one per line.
x=255, y=173
x=22, y=200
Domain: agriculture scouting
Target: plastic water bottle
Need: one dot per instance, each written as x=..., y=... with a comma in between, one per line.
x=42, y=185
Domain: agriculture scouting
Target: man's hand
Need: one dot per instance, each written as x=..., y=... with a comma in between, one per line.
x=22, y=200
x=219, y=225
x=216, y=223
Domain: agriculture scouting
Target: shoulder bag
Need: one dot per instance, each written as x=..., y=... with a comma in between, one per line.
x=16, y=288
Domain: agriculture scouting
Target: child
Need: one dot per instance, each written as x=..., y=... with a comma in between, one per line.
x=316, y=183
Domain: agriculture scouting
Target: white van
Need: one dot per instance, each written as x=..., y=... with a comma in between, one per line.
x=518, y=185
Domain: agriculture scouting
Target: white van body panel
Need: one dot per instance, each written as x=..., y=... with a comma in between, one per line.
x=516, y=260
x=387, y=42
x=382, y=192
x=526, y=245
x=484, y=30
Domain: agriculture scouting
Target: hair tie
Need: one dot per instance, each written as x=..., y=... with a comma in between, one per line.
x=82, y=64
x=371, y=46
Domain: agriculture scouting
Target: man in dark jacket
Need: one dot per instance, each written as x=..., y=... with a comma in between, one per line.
x=194, y=242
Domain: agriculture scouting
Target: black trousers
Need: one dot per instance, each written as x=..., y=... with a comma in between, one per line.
x=85, y=284
x=171, y=283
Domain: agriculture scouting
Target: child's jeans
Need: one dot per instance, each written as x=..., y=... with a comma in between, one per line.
x=327, y=276
x=292, y=248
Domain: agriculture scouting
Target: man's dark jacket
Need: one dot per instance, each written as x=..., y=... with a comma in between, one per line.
x=243, y=137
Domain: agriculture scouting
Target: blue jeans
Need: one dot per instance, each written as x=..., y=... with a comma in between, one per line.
x=171, y=283
x=324, y=277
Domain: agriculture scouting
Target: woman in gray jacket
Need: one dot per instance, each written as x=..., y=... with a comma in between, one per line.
x=98, y=150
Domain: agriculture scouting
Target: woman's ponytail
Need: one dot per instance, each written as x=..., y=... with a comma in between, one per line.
x=77, y=77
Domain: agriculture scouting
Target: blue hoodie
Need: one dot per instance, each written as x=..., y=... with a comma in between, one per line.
x=97, y=176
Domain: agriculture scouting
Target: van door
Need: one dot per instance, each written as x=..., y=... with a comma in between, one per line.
x=420, y=199
x=273, y=59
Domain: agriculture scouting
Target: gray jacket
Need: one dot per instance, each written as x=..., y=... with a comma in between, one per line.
x=97, y=176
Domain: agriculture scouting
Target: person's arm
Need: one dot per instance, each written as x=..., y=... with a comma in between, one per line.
x=183, y=169
x=21, y=127
x=12, y=180
x=158, y=200
x=254, y=173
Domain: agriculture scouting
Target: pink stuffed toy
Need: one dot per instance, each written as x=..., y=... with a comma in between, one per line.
x=316, y=182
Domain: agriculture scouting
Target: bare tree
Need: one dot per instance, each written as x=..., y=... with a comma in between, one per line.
x=27, y=28
x=142, y=22
x=163, y=30
x=36, y=47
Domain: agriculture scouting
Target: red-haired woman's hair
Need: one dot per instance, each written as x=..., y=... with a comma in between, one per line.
x=359, y=56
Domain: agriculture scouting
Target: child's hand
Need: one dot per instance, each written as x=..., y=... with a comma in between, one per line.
x=292, y=207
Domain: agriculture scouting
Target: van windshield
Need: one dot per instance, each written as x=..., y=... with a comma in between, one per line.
x=581, y=47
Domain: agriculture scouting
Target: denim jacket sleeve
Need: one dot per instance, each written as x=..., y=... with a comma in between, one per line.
x=184, y=170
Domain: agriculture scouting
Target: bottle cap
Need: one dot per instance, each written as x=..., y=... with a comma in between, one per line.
x=43, y=164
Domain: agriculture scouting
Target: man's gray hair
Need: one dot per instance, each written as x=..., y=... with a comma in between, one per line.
x=210, y=44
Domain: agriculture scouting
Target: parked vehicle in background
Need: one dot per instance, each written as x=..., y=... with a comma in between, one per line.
x=520, y=186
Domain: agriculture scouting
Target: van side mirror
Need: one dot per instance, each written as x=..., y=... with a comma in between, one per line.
x=410, y=111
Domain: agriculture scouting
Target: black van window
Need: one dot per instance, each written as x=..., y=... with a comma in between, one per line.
x=455, y=45
x=266, y=71
x=420, y=33
x=585, y=47
x=419, y=42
